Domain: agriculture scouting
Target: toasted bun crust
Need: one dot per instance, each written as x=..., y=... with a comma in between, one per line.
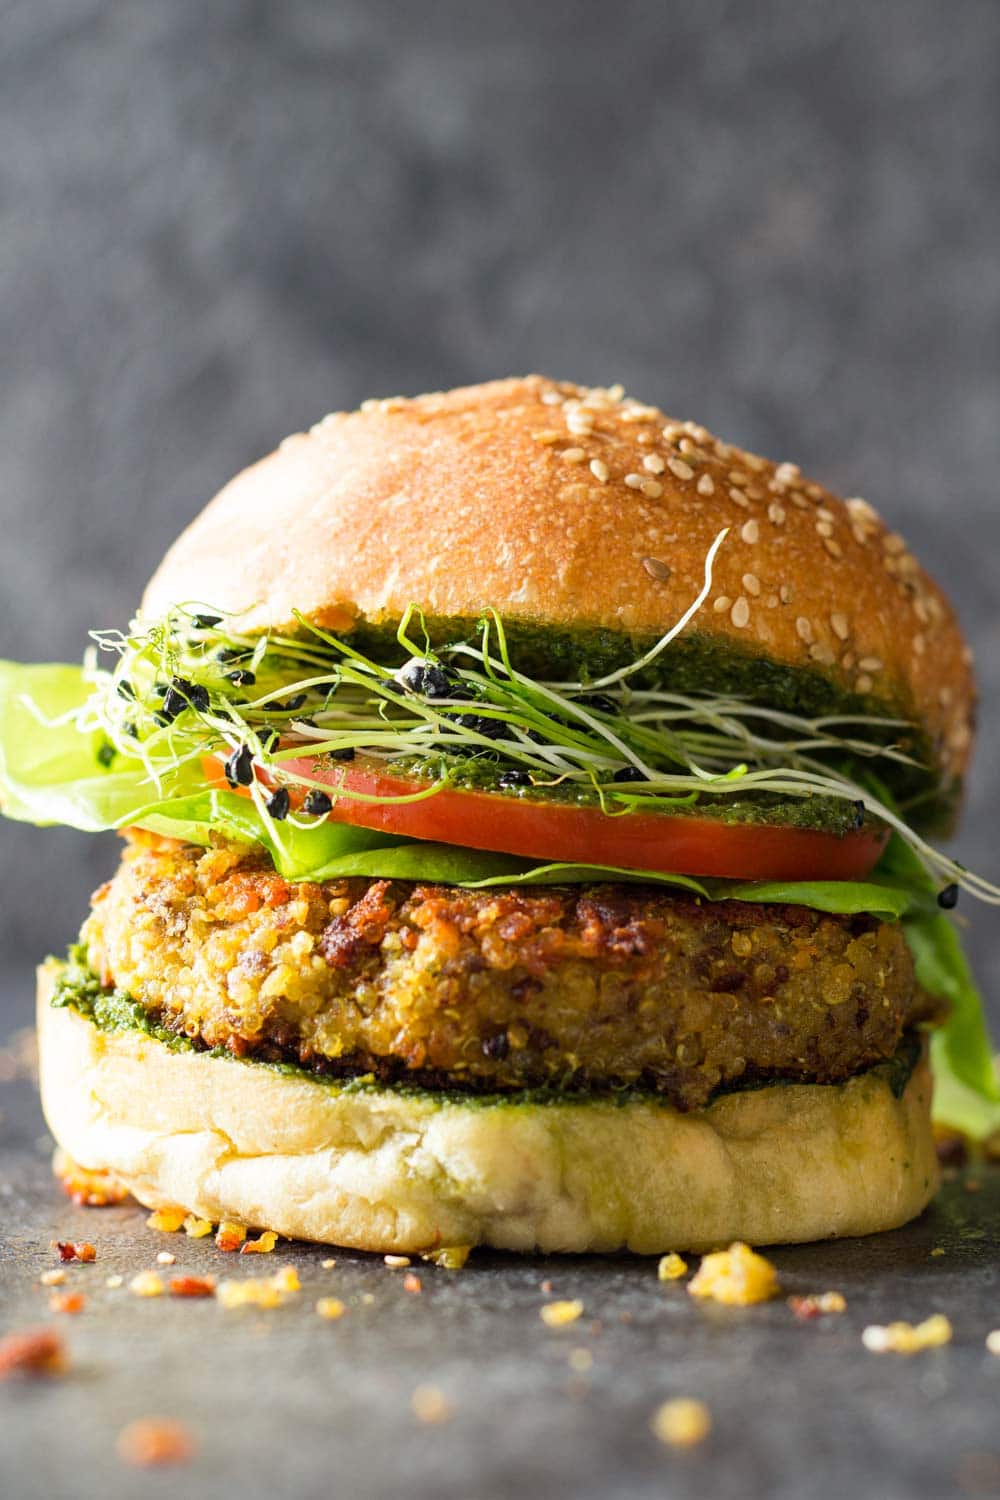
x=381, y=1170
x=568, y=507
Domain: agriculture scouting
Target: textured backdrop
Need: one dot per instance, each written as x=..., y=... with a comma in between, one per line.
x=220, y=220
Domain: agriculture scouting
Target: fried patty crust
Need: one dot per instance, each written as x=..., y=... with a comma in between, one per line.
x=574, y=986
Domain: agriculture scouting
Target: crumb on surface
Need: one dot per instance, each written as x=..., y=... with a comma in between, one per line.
x=146, y=1284
x=682, y=1422
x=817, y=1304
x=412, y=1282
x=736, y=1277
x=330, y=1308
x=262, y=1245
x=80, y=1250
x=151, y=1441
x=671, y=1267
x=192, y=1286
x=230, y=1235
x=558, y=1314
x=86, y=1188
x=67, y=1302
x=55, y=1277
x=397, y=1262
x=168, y=1220
x=195, y=1228
x=451, y=1257
x=429, y=1404
x=166, y=1258
x=907, y=1338
x=32, y=1351
x=259, y=1291
x=993, y=1341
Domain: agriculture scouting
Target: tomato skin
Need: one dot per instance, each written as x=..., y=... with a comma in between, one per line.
x=563, y=832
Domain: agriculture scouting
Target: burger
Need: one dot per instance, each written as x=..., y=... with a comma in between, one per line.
x=528, y=805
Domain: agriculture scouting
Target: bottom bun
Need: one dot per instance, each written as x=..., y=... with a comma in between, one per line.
x=394, y=1170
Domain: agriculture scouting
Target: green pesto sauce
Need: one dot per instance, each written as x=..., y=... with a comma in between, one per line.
x=697, y=662
x=481, y=773
x=78, y=988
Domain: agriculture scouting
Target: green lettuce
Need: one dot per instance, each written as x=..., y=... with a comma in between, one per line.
x=51, y=772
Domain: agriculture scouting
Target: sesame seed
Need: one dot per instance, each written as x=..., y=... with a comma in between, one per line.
x=737, y=476
x=821, y=652
x=574, y=494
x=706, y=485
x=573, y=455
x=861, y=510
x=687, y=446
x=787, y=473
x=870, y=664
x=644, y=438
x=722, y=603
x=848, y=660
x=580, y=424
x=823, y=514
x=824, y=528
x=833, y=548
x=740, y=613
x=671, y=431
x=552, y=398
x=654, y=463
x=775, y=513
x=919, y=645
x=804, y=629
x=863, y=683
x=548, y=437
x=656, y=569
x=751, y=583
x=651, y=488
x=750, y=532
x=754, y=462
x=840, y=627
x=634, y=481
x=944, y=696
x=615, y=393
x=678, y=467
x=816, y=491
x=772, y=601
x=893, y=543
x=599, y=469
x=799, y=501
x=787, y=593
x=738, y=498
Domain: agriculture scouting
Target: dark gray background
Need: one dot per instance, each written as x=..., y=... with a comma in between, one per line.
x=220, y=220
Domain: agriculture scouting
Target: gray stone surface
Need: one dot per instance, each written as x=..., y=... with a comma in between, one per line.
x=283, y=1403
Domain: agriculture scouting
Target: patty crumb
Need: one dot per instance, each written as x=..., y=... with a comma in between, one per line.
x=151, y=1441
x=682, y=1422
x=737, y=1277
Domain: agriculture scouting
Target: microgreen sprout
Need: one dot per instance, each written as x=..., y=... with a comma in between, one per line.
x=193, y=688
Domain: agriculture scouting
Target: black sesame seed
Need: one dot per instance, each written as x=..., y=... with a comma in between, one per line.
x=493, y=729
x=161, y=688
x=496, y=1046
x=513, y=778
x=268, y=738
x=206, y=622
x=317, y=804
x=291, y=704
x=628, y=773
x=242, y=677
x=239, y=767
x=132, y=730
x=230, y=653
x=431, y=680
x=347, y=753
x=859, y=815
x=279, y=803
x=106, y=754
x=126, y=690
x=948, y=897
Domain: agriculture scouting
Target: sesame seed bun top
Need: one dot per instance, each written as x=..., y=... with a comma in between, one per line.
x=571, y=508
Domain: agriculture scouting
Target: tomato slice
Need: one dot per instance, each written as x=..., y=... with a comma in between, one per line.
x=556, y=831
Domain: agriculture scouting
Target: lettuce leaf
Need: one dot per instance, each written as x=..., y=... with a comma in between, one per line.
x=50, y=773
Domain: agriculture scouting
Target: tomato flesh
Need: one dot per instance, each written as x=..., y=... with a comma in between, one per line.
x=564, y=832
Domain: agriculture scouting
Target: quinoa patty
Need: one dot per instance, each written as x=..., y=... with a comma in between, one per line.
x=509, y=988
